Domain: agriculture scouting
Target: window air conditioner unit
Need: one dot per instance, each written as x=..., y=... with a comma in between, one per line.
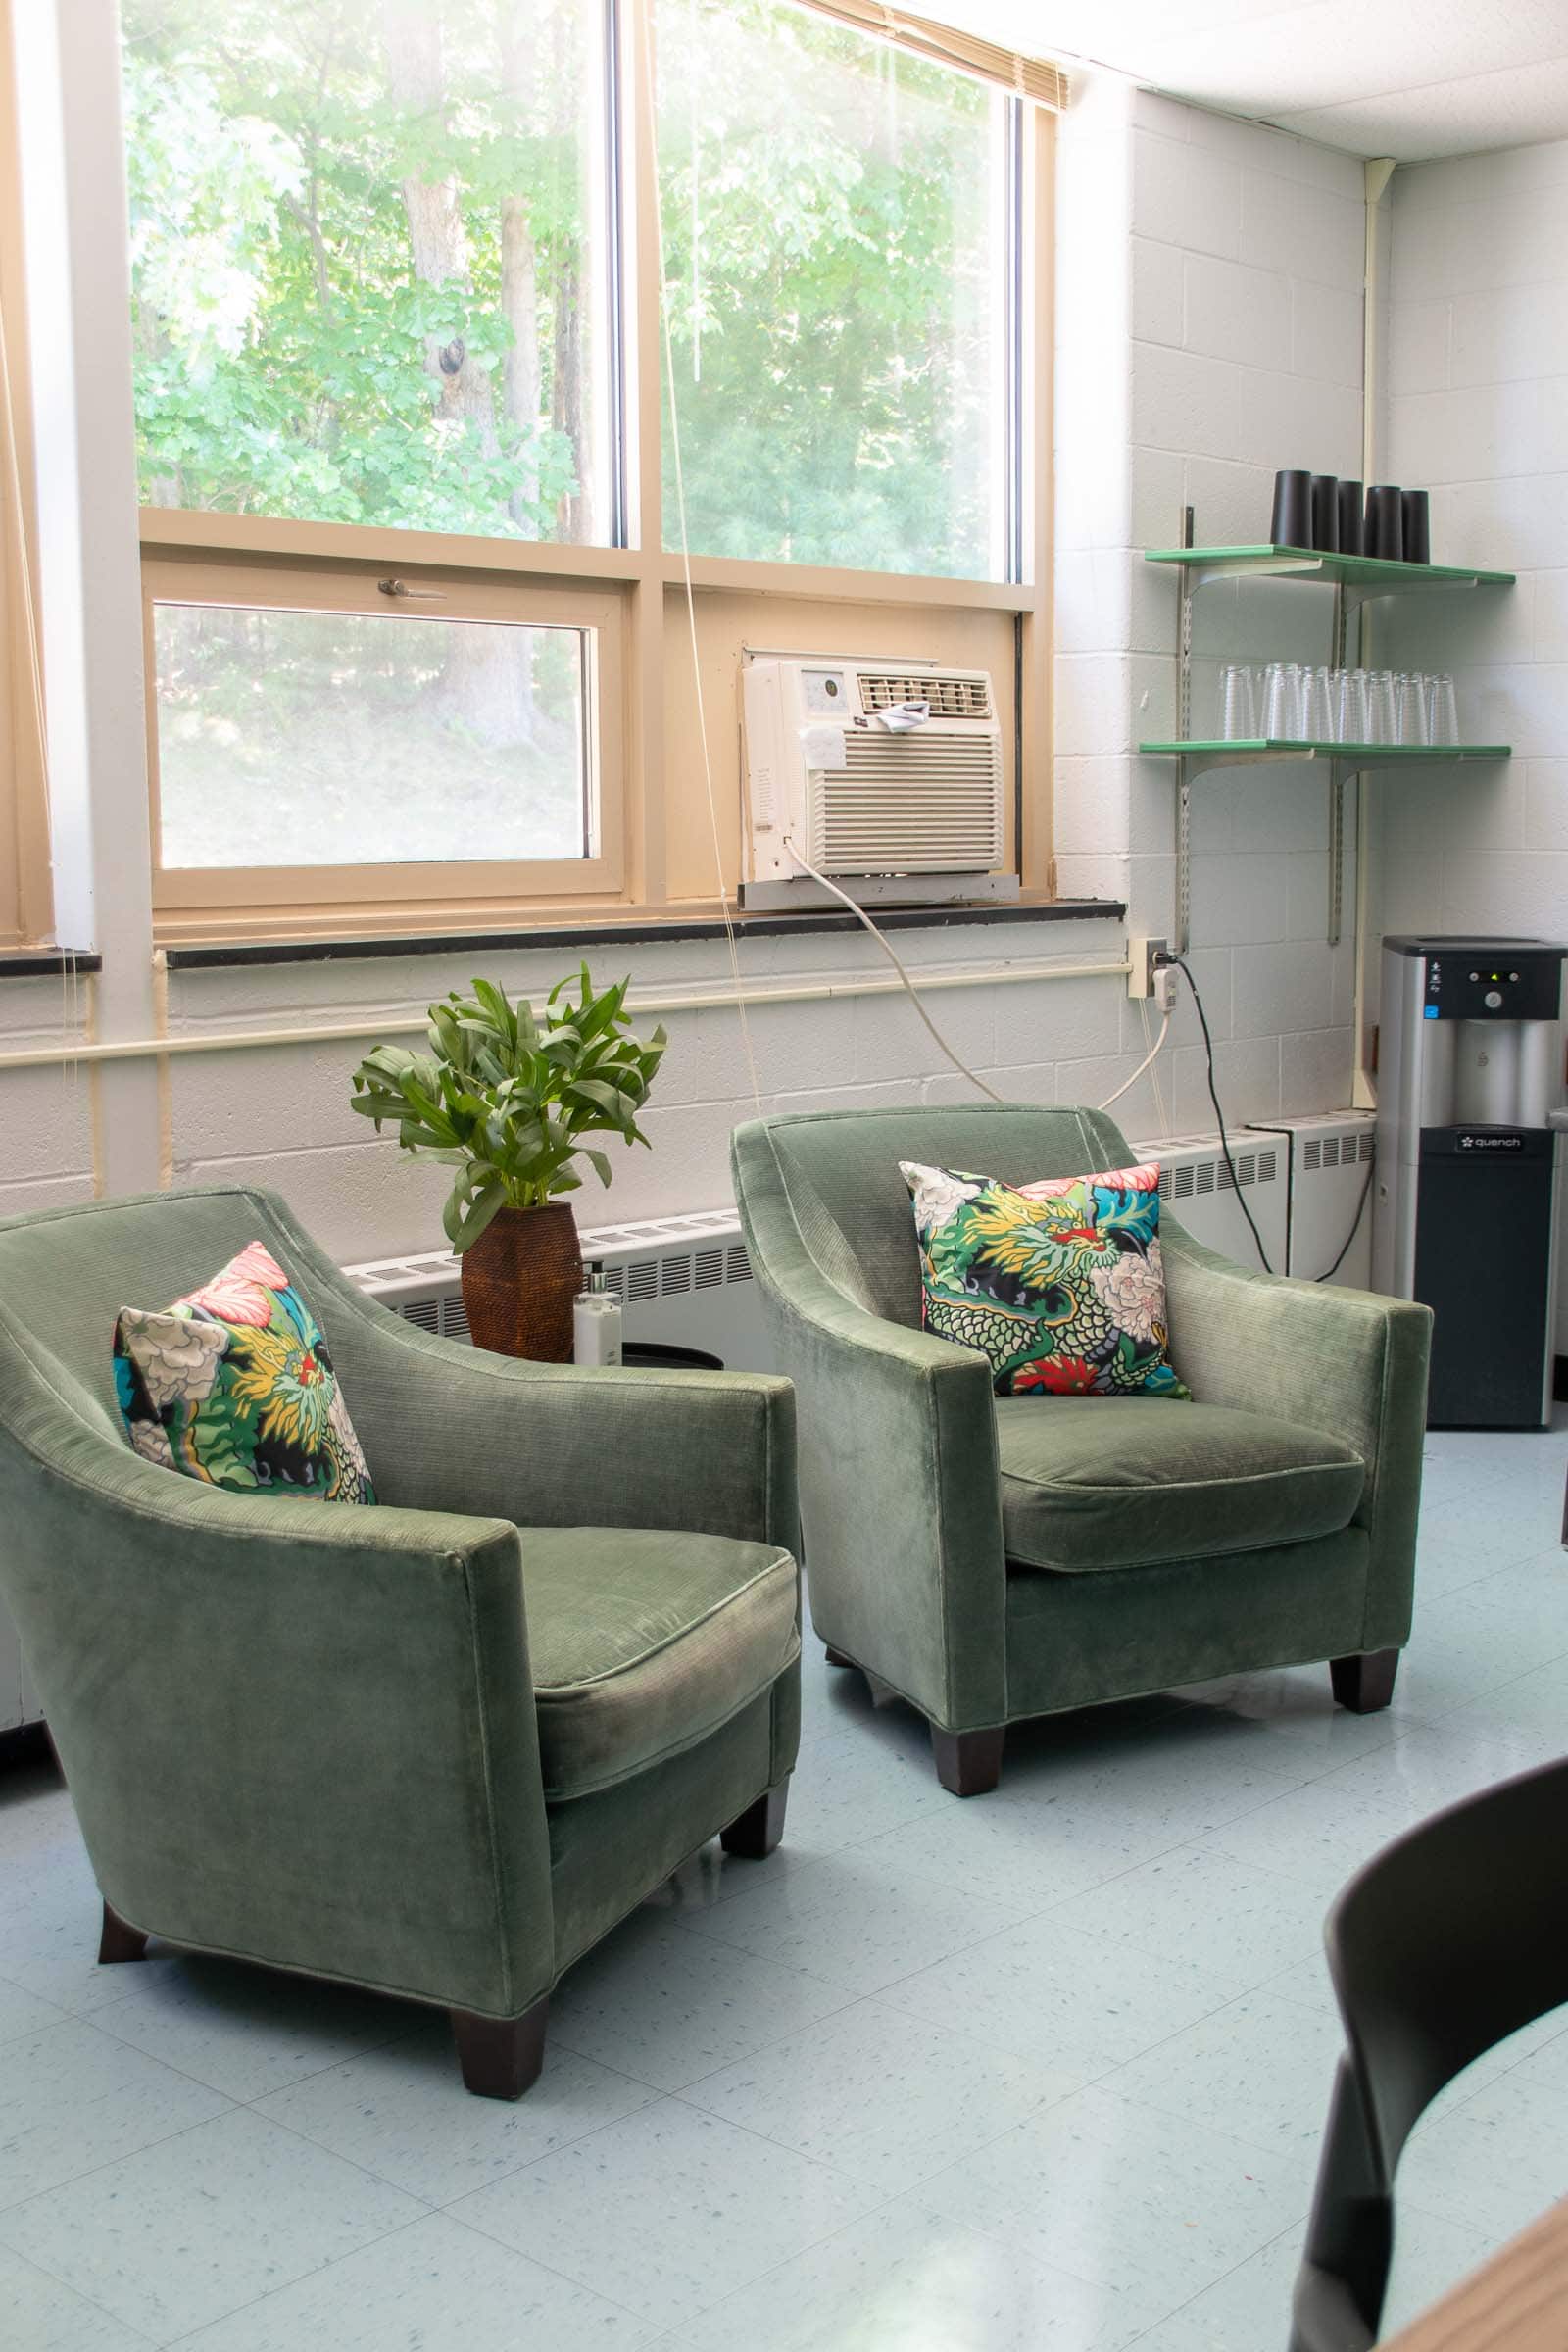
x=887, y=776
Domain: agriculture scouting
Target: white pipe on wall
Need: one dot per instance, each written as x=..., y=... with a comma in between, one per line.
x=655, y=1000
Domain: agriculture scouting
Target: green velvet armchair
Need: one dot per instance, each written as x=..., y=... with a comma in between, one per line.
x=997, y=1558
x=437, y=1746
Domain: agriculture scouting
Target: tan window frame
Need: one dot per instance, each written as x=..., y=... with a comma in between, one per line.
x=648, y=648
x=444, y=596
x=25, y=898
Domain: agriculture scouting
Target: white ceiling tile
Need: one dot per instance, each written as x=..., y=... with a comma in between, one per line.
x=1410, y=79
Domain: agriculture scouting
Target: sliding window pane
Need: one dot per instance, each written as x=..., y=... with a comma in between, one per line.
x=836, y=242
x=308, y=739
x=368, y=261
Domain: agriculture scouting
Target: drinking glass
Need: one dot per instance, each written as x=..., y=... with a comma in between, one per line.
x=1238, y=703
x=1410, y=709
x=1380, y=709
x=1350, y=720
x=1318, y=712
x=1276, y=704
x=1443, y=710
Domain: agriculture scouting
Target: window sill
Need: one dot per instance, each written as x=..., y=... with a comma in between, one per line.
x=634, y=931
x=37, y=963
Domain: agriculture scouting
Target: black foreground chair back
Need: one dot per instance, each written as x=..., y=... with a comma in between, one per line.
x=1450, y=1940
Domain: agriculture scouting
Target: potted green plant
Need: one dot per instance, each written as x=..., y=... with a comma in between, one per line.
x=509, y=1101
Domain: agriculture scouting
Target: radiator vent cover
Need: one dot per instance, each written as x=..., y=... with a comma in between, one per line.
x=1190, y=1179
x=685, y=1279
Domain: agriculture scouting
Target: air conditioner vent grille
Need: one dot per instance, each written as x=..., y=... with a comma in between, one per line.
x=949, y=698
x=913, y=803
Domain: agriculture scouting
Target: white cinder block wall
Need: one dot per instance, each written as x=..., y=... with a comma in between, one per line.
x=1210, y=330
x=280, y=1116
x=1478, y=411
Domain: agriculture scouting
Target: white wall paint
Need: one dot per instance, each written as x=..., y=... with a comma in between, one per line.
x=1209, y=291
x=1478, y=410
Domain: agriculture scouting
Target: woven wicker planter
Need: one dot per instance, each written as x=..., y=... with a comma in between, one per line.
x=519, y=1280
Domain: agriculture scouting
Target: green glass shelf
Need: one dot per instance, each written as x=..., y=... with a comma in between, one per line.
x=1360, y=754
x=1371, y=573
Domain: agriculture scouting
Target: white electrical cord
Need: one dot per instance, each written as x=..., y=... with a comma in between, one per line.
x=853, y=904
x=1163, y=1115
x=646, y=37
x=886, y=946
x=1146, y=1063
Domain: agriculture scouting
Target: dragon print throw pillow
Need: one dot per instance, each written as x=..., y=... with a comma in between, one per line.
x=233, y=1384
x=1060, y=1283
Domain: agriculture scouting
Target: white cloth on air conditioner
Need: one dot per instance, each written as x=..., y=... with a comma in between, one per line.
x=900, y=718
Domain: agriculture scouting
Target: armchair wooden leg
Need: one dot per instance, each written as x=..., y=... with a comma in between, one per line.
x=836, y=1657
x=119, y=1941
x=752, y=1836
x=968, y=1763
x=501, y=2056
x=1365, y=1682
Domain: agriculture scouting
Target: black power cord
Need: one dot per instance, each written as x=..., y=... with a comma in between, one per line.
x=1180, y=965
x=1355, y=1227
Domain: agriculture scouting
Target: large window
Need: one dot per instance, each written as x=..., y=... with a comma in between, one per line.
x=368, y=261
x=836, y=222
x=406, y=424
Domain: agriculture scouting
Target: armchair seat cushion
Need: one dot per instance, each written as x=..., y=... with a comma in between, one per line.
x=1097, y=1482
x=643, y=1641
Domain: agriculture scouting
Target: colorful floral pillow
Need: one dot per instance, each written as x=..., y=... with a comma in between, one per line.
x=233, y=1385
x=1058, y=1283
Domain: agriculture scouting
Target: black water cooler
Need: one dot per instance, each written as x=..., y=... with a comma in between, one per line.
x=1470, y=1068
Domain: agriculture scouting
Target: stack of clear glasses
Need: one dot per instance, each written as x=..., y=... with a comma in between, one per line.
x=1290, y=702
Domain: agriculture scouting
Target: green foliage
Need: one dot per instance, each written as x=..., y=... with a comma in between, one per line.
x=834, y=269
x=283, y=335
x=508, y=1100
x=835, y=278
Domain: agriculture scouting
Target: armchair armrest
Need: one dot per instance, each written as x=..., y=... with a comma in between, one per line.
x=446, y=1428
x=1348, y=1361
x=901, y=1496
x=296, y=1731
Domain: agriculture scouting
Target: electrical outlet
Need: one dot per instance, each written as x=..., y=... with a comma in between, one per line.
x=1142, y=978
x=1165, y=989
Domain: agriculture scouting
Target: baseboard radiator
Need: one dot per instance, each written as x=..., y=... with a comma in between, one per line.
x=685, y=1282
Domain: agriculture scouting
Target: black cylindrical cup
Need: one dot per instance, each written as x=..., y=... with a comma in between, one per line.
x=1326, y=513
x=1349, y=518
x=1291, y=525
x=1384, y=523
x=1417, y=519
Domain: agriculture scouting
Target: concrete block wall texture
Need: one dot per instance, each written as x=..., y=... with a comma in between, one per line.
x=1478, y=410
x=280, y=1115
x=1227, y=343
x=47, y=1115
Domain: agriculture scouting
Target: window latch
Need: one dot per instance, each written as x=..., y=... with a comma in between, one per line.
x=401, y=588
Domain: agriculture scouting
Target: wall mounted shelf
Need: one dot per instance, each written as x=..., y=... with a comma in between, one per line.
x=1355, y=581
x=1261, y=753
x=1364, y=575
